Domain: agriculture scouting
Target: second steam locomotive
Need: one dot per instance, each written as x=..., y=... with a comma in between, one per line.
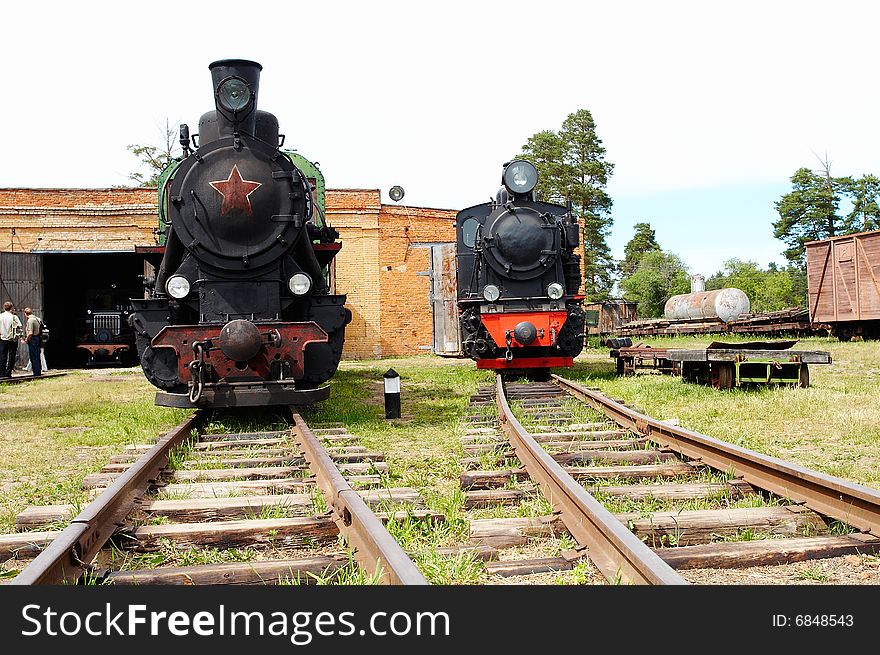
x=518, y=279
x=241, y=312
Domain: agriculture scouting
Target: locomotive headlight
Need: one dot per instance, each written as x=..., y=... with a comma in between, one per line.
x=491, y=293
x=299, y=284
x=555, y=291
x=234, y=94
x=177, y=287
x=520, y=176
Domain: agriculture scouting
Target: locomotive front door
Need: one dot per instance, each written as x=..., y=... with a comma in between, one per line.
x=447, y=335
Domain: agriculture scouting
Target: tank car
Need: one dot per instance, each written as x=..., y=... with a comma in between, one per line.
x=518, y=279
x=726, y=305
x=240, y=312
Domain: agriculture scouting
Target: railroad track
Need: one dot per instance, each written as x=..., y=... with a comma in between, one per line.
x=624, y=498
x=648, y=501
x=247, y=508
x=18, y=379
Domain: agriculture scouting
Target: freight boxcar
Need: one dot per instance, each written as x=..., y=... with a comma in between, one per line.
x=843, y=281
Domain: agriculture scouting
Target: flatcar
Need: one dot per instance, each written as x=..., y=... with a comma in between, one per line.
x=241, y=312
x=518, y=279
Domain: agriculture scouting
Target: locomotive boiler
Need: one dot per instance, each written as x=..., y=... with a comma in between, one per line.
x=241, y=312
x=518, y=279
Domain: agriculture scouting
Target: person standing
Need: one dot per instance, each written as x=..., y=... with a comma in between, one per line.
x=10, y=333
x=32, y=339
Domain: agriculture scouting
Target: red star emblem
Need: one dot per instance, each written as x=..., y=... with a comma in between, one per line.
x=236, y=192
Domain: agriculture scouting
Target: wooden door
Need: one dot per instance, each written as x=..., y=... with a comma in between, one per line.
x=444, y=308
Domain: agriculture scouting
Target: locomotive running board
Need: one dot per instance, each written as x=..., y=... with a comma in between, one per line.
x=246, y=394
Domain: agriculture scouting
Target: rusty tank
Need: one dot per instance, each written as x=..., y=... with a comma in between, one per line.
x=724, y=304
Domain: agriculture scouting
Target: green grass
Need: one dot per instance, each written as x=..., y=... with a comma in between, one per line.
x=350, y=574
x=170, y=555
x=833, y=426
x=55, y=431
x=813, y=572
x=423, y=447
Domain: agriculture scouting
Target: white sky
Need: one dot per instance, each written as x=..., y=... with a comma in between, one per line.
x=706, y=109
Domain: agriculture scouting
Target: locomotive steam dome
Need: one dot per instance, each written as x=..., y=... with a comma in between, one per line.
x=521, y=242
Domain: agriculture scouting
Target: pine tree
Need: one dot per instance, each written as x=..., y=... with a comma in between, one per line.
x=644, y=240
x=572, y=168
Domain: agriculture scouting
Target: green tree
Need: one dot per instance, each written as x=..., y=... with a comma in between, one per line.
x=546, y=151
x=768, y=290
x=644, y=240
x=810, y=211
x=155, y=157
x=572, y=168
x=863, y=193
x=658, y=276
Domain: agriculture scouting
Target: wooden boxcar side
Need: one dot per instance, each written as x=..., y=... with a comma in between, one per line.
x=843, y=282
x=612, y=315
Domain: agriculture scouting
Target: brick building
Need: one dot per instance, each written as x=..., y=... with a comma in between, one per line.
x=384, y=267
x=51, y=239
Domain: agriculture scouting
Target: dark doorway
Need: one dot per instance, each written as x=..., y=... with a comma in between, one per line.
x=76, y=284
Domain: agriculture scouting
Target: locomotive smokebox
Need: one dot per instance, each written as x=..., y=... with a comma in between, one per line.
x=240, y=340
x=236, y=84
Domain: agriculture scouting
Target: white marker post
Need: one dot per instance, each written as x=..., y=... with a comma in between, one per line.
x=392, y=394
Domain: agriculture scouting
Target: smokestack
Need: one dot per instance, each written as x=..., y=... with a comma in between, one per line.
x=698, y=283
x=243, y=120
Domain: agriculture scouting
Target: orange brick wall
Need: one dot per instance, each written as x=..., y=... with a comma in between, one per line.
x=404, y=236
x=355, y=214
x=76, y=219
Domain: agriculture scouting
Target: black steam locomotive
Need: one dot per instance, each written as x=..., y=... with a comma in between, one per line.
x=518, y=278
x=241, y=313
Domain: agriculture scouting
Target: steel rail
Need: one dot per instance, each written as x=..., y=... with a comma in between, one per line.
x=852, y=503
x=375, y=549
x=67, y=558
x=616, y=551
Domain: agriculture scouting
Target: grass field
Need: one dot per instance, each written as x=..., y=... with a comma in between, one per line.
x=55, y=431
x=833, y=426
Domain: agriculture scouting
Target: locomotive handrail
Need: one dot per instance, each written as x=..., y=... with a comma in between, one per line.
x=615, y=550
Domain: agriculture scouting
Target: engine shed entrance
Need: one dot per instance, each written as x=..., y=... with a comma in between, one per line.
x=86, y=301
x=83, y=297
